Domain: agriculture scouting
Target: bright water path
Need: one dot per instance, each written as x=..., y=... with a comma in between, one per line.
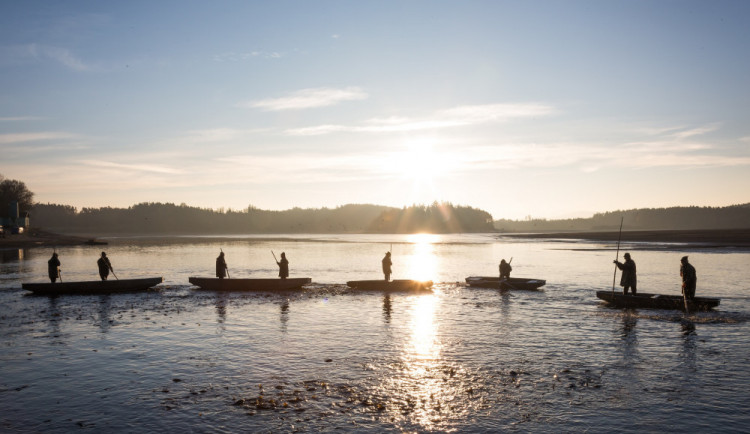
x=330, y=359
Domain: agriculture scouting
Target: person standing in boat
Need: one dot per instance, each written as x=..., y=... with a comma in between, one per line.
x=104, y=266
x=505, y=269
x=283, y=266
x=628, y=279
x=689, y=278
x=221, y=266
x=53, y=267
x=387, y=266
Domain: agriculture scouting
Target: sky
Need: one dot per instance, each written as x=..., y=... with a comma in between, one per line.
x=541, y=109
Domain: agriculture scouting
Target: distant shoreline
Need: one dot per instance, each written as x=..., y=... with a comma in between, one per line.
x=704, y=238
x=697, y=237
x=39, y=238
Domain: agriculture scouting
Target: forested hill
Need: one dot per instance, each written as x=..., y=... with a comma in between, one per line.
x=675, y=218
x=171, y=219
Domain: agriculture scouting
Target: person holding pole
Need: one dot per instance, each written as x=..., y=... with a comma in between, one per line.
x=222, y=270
x=387, y=266
x=628, y=279
x=53, y=268
x=505, y=269
x=283, y=266
x=689, y=278
x=104, y=266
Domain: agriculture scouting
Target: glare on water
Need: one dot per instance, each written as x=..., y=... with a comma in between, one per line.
x=459, y=359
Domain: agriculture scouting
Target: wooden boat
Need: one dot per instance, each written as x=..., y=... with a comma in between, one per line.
x=216, y=284
x=511, y=283
x=391, y=286
x=94, y=287
x=657, y=301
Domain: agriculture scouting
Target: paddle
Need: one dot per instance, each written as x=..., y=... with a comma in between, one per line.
x=617, y=255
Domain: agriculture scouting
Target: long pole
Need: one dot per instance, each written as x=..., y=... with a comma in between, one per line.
x=226, y=268
x=617, y=255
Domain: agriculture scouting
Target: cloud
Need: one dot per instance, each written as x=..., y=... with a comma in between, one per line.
x=33, y=137
x=132, y=167
x=40, y=53
x=699, y=131
x=308, y=98
x=238, y=57
x=453, y=117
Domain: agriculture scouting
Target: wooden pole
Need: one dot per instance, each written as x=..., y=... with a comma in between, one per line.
x=617, y=255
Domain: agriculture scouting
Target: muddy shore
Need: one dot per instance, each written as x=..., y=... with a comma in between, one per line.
x=39, y=238
x=698, y=238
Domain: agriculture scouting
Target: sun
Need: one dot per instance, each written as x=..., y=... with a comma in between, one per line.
x=422, y=164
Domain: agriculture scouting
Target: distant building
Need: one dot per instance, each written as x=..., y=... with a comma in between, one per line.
x=13, y=222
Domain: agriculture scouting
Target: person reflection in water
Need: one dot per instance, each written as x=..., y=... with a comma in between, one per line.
x=387, y=266
x=104, y=266
x=689, y=278
x=283, y=266
x=505, y=269
x=628, y=279
x=53, y=268
x=221, y=266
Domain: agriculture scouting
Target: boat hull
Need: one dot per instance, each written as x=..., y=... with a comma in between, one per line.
x=656, y=301
x=215, y=284
x=391, y=286
x=511, y=283
x=94, y=287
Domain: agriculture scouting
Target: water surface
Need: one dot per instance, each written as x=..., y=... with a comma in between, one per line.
x=327, y=358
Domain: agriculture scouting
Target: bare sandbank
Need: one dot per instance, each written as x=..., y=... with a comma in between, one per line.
x=696, y=238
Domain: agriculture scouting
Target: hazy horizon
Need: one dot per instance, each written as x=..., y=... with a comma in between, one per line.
x=541, y=108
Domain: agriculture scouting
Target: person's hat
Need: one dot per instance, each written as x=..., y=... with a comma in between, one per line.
x=684, y=259
x=627, y=255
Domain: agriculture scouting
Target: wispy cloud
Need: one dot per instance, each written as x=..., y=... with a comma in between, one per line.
x=698, y=131
x=132, y=167
x=33, y=137
x=308, y=98
x=453, y=117
x=40, y=53
x=233, y=56
x=221, y=134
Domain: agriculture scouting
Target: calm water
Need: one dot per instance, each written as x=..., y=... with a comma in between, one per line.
x=327, y=359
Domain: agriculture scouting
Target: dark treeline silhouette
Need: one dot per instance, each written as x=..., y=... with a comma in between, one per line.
x=436, y=218
x=168, y=218
x=674, y=218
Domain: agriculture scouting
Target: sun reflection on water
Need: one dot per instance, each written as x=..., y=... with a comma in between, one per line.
x=422, y=263
x=424, y=389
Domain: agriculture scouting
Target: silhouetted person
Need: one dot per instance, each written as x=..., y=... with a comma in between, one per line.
x=104, y=266
x=689, y=278
x=221, y=266
x=283, y=266
x=387, y=266
x=53, y=268
x=628, y=279
x=505, y=269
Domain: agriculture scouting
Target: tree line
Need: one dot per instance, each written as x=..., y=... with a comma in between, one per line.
x=168, y=218
x=673, y=218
